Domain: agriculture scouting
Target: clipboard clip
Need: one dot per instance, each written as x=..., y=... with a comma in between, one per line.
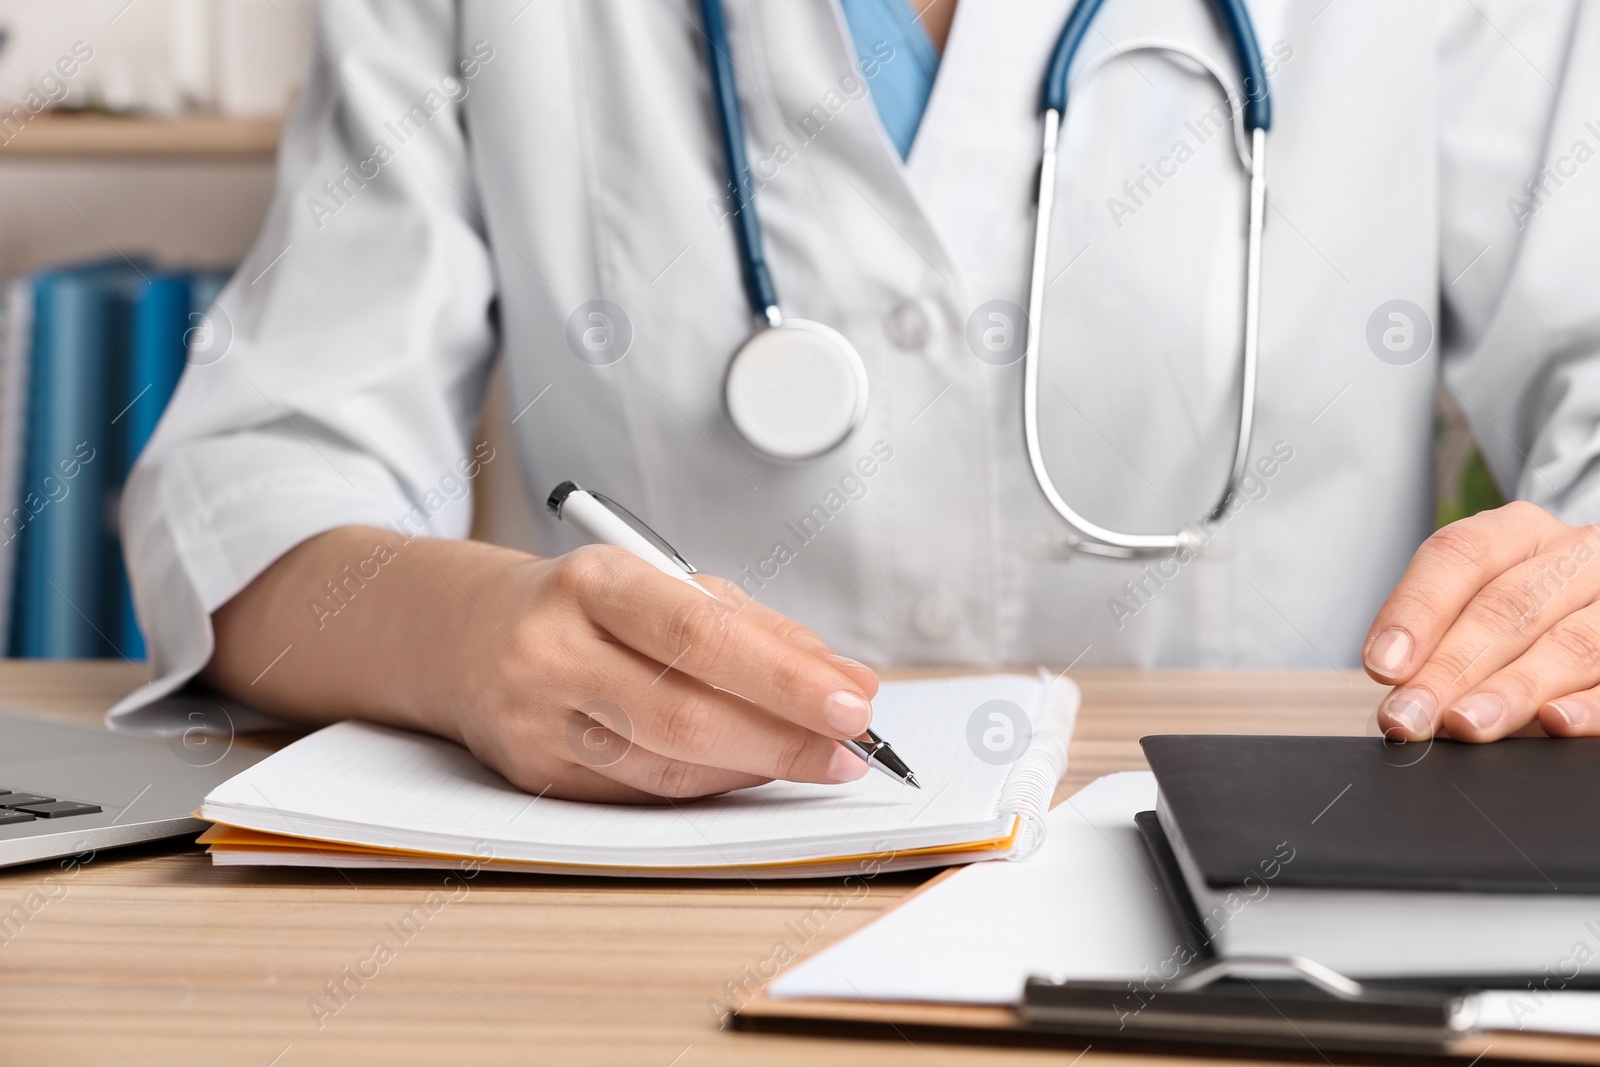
x=1310, y=971
x=1261, y=1001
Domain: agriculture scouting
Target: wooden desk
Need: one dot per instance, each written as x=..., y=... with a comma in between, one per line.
x=152, y=956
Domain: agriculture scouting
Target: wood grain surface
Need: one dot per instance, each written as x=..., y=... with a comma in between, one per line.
x=151, y=956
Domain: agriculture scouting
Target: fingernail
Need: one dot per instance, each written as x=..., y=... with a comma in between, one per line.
x=1410, y=710
x=845, y=766
x=1389, y=652
x=847, y=713
x=1482, y=710
x=1574, y=715
x=846, y=661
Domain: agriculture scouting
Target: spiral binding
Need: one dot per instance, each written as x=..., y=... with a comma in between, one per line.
x=1032, y=782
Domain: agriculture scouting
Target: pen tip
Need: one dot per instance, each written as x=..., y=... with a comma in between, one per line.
x=911, y=780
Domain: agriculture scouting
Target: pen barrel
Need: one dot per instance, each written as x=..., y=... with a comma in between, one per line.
x=600, y=525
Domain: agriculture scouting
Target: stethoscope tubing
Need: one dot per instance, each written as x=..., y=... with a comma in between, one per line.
x=762, y=294
x=1241, y=34
x=1256, y=116
x=1088, y=536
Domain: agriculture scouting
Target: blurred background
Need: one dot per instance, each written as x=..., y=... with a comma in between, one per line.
x=136, y=158
x=137, y=140
x=161, y=140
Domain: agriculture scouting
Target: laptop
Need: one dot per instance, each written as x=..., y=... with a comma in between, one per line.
x=66, y=790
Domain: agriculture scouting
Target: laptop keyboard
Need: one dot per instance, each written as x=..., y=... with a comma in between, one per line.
x=26, y=807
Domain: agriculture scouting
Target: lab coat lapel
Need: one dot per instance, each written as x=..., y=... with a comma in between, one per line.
x=977, y=150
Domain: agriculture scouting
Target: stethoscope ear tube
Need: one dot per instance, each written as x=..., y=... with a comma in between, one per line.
x=1236, y=22
x=1087, y=536
x=1072, y=35
x=1252, y=319
x=1247, y=50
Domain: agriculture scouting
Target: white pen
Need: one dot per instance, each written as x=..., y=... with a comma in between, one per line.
x=602, y=520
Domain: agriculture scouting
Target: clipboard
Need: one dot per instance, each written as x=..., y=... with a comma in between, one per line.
x=1284, y=1008
x=1218, y=1014
x=1034, y=1027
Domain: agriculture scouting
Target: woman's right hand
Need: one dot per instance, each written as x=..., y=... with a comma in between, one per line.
x=590, y=676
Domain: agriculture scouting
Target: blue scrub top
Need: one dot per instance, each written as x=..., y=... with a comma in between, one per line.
x=901, y=86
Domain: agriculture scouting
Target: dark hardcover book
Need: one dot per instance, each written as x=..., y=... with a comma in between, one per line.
x=1384, y=860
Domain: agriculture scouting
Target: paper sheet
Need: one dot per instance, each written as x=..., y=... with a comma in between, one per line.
x=1559, y=1012
x=1086, y=905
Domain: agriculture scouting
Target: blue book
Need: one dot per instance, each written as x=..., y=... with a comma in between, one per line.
x=161, y=316
x=16, y=347
x=160, y=324
x=207, y=287
x=65, y=605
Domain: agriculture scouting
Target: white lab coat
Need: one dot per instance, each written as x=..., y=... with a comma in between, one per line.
x=576, y=158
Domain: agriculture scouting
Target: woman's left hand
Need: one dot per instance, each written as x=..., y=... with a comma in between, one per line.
x=1495, y=623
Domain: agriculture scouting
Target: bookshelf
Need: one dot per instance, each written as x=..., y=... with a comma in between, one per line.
x=68, y=137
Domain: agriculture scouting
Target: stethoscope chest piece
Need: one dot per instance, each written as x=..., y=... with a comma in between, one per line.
x=795, y=391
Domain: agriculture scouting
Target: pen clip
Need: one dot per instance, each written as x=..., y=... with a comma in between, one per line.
x=642, y=530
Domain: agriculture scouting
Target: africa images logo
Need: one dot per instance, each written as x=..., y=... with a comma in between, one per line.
x=1399, y=332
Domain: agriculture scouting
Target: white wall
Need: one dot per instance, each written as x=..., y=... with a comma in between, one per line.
x=189, y=213
x=236, y=57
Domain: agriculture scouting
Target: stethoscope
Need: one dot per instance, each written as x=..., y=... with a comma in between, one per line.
x=796, y=389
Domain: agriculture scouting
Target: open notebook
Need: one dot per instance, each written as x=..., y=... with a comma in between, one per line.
x=358, y=795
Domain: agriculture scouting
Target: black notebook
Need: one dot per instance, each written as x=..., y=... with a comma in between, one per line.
x=1390, y=861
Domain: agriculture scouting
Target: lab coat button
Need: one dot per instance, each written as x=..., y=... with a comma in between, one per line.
x=907, y=326
x=937, y=615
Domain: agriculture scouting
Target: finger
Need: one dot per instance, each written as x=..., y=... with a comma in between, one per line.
x=674, y=624
x=1572, y=715
x=1446, y=572
x=632, y=768
x=683, y=719
x=571, y=756
x=732, y=594
x=559, y=779
x=864, y=676
x=1499, y=624
x=1565, y=659
x=789, y=630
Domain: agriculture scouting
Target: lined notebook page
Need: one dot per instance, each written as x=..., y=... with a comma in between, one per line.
x=390, y=789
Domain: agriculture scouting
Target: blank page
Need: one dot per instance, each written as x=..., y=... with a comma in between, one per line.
x=1087, y=905
x=375, y=786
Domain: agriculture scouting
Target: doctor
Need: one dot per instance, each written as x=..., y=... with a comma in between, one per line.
x=552, y=181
